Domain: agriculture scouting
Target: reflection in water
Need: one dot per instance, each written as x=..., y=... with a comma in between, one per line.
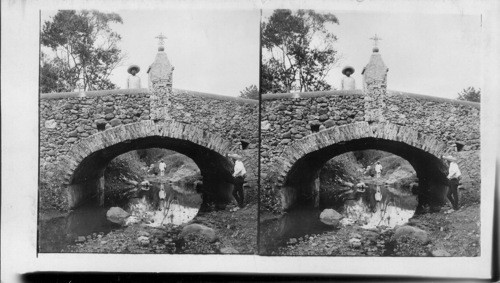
x=180, y=205
x=394, y=208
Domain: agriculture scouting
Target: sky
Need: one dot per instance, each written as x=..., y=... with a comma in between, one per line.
x=431, y=54
x=213, y=51
x=217, y=51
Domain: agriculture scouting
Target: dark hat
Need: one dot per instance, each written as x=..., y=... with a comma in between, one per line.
x=348, y=68
x=133, y=67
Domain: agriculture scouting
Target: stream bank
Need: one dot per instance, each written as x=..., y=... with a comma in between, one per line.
x=144, y=225
x=455, y=234
x=363, y=227
x=235, y=233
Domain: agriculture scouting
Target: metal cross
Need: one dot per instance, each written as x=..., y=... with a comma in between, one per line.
x=375, y=40
x=161, y=39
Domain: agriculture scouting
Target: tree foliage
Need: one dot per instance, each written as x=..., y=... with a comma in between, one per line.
x=298, y=51
x=80, y=51
x=470, y=94
x=250, y=92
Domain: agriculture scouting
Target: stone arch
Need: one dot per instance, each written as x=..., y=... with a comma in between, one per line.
x=299, y=163
x=83, y=166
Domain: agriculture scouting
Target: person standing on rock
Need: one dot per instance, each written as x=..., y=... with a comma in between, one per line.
x=378, y=169
x=454, y=175
x=162, y=166
x=239, y=175
x=348, y=82
x=133, y=81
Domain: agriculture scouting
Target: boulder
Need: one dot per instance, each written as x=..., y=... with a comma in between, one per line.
x=355, y=235
x=117, y=215
x=355, y=243
x=200, y=230
x=143, y=233
x=143, y=240
x=229, y=250
x=412, y=232
x=371, y=235
x=330, y=217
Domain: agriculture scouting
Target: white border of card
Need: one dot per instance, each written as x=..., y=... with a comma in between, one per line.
x=20, y=51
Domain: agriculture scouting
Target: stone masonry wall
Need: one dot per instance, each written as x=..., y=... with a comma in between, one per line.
x=288, y=119
x=451, y=121
x=63, y=121
x=230, y=118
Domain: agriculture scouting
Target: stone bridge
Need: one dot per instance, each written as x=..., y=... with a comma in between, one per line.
x=81, y=132
x=300, y=132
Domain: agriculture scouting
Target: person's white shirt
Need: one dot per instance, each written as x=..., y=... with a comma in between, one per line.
x=378, y=168
x=348, y=83
x=133, y=82
x=162, y=166
x=454, y=171
x=162, y=194
x=239, y=169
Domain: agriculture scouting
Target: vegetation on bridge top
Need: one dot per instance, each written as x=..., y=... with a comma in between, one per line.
x=358, y=92
x=98, y=93
x=435, y=98
x=311, y=94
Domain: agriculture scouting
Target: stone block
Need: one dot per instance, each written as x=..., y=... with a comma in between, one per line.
x=115, y=122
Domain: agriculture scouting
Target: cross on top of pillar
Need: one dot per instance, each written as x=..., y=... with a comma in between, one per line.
x=375, y=42
x=161, y=41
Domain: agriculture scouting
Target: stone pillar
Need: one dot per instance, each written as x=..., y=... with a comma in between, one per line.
x=100, y=190
x=160, y=85
x=375, y=88
x=315, y=192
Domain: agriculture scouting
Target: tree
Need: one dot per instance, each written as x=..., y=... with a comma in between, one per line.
x=81, y=51
x=470, y=94
x=251, y=92
x=297, y=51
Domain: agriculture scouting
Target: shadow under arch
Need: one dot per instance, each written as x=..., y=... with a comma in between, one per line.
x=301, y=162
x=85, y=162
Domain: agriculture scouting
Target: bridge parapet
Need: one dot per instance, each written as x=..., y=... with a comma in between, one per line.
x=456, y=123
